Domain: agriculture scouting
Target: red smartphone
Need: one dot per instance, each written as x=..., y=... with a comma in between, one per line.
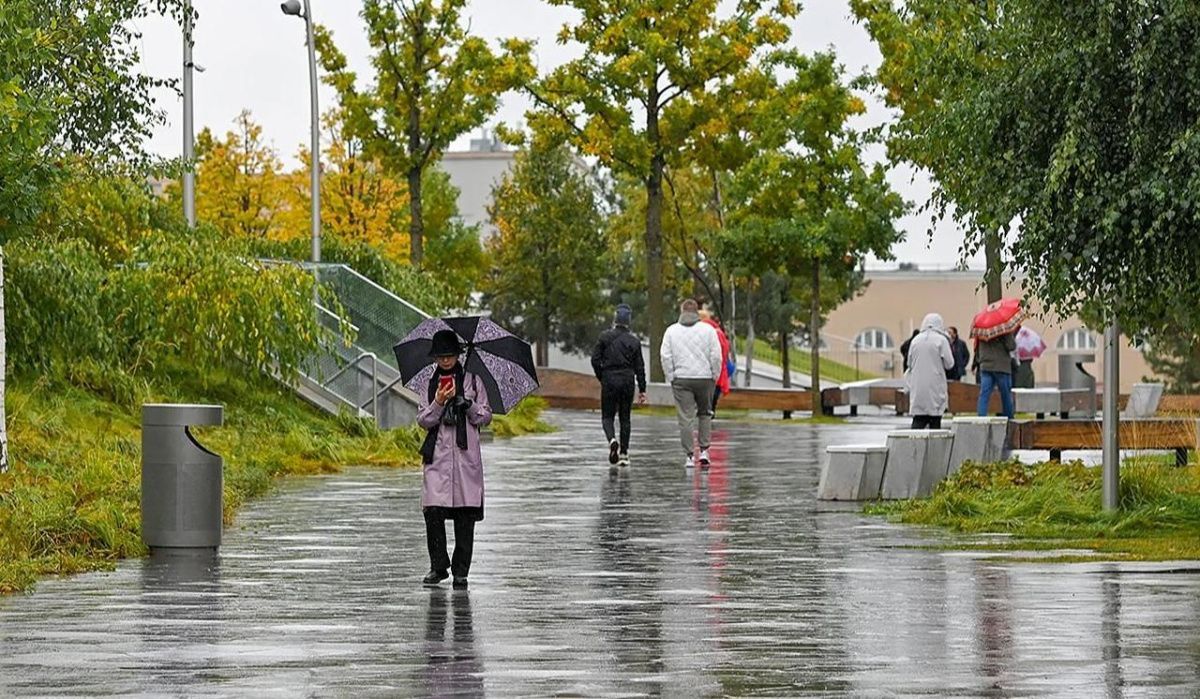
x=445, y=382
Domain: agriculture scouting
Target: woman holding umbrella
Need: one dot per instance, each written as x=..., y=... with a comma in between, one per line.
x=994, y=329
x=458, y=396
x=453, y=408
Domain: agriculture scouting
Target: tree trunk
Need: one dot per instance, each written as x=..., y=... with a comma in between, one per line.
x=416, y=223
x=749, y=333
x=654, y=280
x=814, y=337
x=543, y=352
x=995, y=266
x=3, y=372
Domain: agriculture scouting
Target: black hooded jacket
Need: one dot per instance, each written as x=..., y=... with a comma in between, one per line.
x=619, y=351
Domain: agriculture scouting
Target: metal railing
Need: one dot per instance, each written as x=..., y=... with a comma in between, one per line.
x=357, y=368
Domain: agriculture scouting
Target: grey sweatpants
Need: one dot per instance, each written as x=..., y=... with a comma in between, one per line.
x=693, y=400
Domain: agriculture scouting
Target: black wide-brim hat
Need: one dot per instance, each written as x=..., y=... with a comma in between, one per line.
x=445, y=344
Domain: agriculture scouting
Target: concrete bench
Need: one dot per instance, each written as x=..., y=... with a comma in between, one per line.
x=978, y=439
x=917, y=460
x=852, y=472
x=1059, y=401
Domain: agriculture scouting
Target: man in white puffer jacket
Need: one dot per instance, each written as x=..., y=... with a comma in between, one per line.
x=691, y=359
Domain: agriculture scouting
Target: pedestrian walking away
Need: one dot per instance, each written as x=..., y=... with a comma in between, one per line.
x=452, y=410
x=995, y=361
x=618, y=364
x=723, y=381
x=691, y=359
x=930, y=357
x=962, y=356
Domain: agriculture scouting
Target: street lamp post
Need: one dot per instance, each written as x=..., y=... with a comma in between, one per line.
x=292, y=7
x=189, y=153
x=1111, y=485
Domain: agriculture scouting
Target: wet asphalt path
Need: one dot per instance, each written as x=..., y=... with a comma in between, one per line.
x=651, y=581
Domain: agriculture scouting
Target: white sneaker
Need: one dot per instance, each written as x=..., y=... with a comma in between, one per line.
x=689, y=463
x=704, y=460
x=624, y=460
x=613, y=447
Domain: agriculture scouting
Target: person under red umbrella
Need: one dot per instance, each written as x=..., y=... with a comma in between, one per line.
x=994, y=330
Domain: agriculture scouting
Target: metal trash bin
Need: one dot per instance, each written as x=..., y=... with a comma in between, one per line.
x=1072, y=375
x=182, y=481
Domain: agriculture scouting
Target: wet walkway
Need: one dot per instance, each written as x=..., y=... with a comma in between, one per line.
x=650, y=582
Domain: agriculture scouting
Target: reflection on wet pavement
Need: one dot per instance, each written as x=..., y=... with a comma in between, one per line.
x=596, y=582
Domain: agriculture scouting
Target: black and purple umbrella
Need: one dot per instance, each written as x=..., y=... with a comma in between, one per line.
x=502, y=360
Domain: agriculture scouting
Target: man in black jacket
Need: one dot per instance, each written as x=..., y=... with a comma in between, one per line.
x=617, y=362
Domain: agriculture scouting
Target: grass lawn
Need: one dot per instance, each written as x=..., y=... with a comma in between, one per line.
x=71, y=499
x=801, y=361
x=1057, y=506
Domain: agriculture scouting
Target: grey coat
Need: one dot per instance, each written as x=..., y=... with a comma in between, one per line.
x=929, y=357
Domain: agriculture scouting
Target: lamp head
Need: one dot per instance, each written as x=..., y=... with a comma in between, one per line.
x=291, y=7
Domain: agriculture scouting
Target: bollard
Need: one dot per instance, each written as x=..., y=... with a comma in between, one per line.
x=852, y=472
x=181, y=480
x=978, y=439
x=917, y=461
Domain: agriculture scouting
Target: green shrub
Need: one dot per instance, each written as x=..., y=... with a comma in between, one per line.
x=193, y=297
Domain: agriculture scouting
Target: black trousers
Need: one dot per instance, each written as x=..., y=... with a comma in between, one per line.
x=435, y=538
x=616, y=400
x=927, y=422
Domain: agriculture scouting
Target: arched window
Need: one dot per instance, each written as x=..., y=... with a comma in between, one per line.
x=874, y=339
x=1077, y=339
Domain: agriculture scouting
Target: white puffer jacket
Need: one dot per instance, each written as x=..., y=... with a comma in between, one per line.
x=691, y=350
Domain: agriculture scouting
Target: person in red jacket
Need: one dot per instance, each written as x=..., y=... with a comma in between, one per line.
x=723, y=379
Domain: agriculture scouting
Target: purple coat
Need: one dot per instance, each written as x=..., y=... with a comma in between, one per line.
x=455, y=477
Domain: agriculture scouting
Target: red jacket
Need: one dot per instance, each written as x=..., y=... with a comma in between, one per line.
x=723, y=379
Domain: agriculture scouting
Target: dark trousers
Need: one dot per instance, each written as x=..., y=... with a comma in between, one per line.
x=616, y=400
x=927, y=422
x=435, y=537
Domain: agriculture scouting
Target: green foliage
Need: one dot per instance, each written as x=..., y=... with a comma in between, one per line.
x=806, y=195
x=454, y=257
x=433, y=83
x=639, y=94
x=69, y=85
x=178, y=294
x=1060, y=505
x=1175, y=357
x=526, y=418
x=1073, y=123
x=549, y=254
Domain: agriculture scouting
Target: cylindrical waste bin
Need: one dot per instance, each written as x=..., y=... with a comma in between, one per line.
x=1072, y=375
x=181, y=480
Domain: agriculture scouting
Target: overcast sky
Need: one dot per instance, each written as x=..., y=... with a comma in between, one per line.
x=254, y=58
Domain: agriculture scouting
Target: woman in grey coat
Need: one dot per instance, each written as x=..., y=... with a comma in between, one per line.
x=929, y=357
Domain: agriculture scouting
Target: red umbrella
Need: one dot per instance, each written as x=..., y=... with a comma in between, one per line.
x=999, y=318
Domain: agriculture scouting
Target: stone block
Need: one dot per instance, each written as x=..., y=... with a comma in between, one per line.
x=1143, y=400
x=917, y=461
x=852, y=472
x=979, y=439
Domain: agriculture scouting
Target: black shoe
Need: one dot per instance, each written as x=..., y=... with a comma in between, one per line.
x=460, y=582
x=613, y=448
x=434, y=577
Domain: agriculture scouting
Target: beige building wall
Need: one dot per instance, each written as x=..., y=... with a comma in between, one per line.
x=897, y=301
x=475, y=173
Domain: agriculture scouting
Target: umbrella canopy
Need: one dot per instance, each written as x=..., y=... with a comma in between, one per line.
x=1029, y=344
x=999, y=318
x=502, y=360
